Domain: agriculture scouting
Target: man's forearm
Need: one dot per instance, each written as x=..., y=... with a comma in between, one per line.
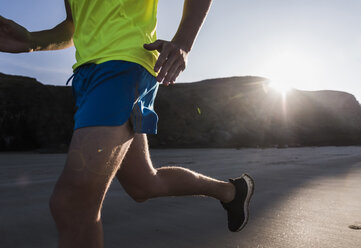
x=194, y=13
x=59, y=37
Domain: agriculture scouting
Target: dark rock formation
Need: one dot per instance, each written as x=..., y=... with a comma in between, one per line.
x=244, y=112
x=227, y=112
x=33, y=115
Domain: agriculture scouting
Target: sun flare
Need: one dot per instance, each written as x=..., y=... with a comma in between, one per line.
x=291, y=68
x=280, y=87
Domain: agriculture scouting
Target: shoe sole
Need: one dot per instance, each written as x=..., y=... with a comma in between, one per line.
x=250, y=184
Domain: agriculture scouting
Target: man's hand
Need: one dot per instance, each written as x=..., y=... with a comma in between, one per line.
x=171, y=62
x=13, y=37
x=173, y=54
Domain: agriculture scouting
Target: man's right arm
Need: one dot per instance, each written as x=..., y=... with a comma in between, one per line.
x=17, y=39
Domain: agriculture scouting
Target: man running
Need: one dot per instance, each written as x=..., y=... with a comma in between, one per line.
x=119, y=62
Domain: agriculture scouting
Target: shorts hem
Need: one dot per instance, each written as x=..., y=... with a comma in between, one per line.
x=147, y=131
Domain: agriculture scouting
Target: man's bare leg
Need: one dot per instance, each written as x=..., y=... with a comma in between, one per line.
x=142, y=181
x=94, y=156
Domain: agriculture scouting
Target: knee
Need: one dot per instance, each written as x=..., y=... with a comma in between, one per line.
x=138, y=196
x=148, y=189
x=59, y=208
x=141, y=193
x=69, y=208
x=58, y=202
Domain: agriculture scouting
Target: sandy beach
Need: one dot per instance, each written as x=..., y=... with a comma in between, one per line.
x=304, y=197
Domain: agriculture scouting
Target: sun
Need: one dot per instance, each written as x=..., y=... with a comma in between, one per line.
x=291, y=68
x=281, y=87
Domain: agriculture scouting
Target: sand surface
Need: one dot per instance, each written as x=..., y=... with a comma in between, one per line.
x=304, y=197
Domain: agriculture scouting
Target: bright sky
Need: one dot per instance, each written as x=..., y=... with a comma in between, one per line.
x=308, y=44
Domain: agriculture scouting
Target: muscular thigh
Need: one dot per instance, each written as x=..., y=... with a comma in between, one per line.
x=95, y=154
x=136, y=169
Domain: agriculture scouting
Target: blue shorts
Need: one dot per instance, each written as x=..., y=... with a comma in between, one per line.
x=110, y=93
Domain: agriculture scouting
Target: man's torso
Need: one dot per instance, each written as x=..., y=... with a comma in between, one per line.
x=114, y=30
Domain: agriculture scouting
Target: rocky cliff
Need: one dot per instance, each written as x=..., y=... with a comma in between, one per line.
x=225, y=112
x=33, y=115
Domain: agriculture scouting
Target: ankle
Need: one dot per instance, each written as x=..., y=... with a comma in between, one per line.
x=229, y=194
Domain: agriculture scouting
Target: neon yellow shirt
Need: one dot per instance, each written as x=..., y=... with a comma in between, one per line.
x=114, y=30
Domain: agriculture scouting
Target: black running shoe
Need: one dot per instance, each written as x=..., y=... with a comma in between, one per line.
x=237, y=209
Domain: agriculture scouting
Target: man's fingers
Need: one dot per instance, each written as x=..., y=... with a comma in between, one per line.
x=156, y=45
x=162, y=59
x=176, y=74
x=166, y=68
x=174, y=71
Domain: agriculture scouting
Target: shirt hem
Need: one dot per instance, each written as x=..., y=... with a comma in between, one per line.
x=136, y=60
